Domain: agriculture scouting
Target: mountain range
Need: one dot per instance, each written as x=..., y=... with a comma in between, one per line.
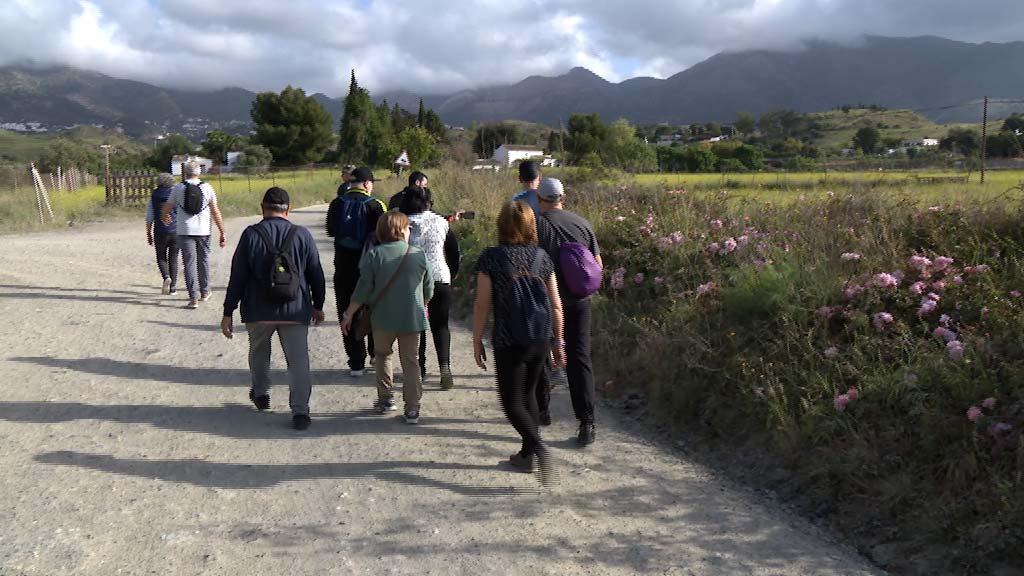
x=944, y=79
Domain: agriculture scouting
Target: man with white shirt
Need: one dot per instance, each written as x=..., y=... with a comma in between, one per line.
x=195, y=202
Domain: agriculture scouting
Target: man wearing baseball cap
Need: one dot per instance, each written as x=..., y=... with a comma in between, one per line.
x=346, y=178
x=351, y=221
x=266, y=309
x=556, y=227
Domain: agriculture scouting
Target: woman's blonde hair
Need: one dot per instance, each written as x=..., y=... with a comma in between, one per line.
x=391, y=225
x=517, y=224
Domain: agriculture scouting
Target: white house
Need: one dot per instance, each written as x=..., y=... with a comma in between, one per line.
x=178, y=160
x=922, y=143
x=232, y=161
x=509, y=154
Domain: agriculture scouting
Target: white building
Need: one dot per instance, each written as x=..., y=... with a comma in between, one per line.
x=922, y=143
x=177, y=161
x=231, y=161
x=509, y=154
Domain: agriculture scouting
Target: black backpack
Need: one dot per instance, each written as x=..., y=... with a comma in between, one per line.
x=193, y=203
x=527, y=305
x=281, y=280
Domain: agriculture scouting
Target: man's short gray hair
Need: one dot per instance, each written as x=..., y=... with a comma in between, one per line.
x=164, y=180
x=192, y=169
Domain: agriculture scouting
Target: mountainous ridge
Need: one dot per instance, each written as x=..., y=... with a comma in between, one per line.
x=925, y=73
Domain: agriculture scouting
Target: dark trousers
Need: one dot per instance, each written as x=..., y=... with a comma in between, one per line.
x=518, y=373
x=579, y=368
x=167, y=256
x=346, y=276
x=437, y=311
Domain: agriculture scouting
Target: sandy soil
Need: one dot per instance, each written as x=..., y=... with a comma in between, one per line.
x=129, y=447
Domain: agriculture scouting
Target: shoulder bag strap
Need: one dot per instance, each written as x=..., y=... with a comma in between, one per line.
x=392, y=279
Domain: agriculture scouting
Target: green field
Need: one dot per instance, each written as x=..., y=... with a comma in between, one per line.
x=838, y=127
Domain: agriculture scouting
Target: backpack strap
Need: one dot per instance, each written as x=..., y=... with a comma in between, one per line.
x=535, y=265
x=288, y=239
x=266, y=237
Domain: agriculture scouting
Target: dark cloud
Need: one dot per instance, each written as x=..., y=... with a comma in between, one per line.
x=441, y=45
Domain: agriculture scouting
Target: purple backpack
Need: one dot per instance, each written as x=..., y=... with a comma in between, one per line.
x=581, y=274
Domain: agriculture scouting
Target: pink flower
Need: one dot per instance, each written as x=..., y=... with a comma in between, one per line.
x=886, y=280
x=664, y=243
x=714, y=248
x=927, y=307
x=955, y=350
x=728, y=246
x=824, y=312
x=840, y=402
x=919, y=262
x=639, y=278
x=938, y=286
x=935, y=208
x=941, y=263
x=945, y=334
x=945, y=320
x=759, y=264
x=659, y=280
x=676, y=237
x=979, y=269
x=932, y=296
x=848, y=256
x=917, y=288
x=851, y=291
x=618, y=279
x=705, y=288
x=958, y=280
x=989, y=403
x=1015, y=293
x=853, y=394
x=743, y=240
x=973, y=413
x=880, y=320
x=716, y=224
x=831, y=352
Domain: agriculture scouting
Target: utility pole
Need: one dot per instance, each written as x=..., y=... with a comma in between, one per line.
x=106, y=170
x=984, y=136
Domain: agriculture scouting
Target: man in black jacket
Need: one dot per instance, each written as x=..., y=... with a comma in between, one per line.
x=263, y=315
x=351, y=221
x=417, y=181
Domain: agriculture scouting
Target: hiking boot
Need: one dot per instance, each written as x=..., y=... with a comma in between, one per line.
x=545, y=419
x=206, y=296
x=192, y=304
x=262, y=402
x=447, y=383
x=586, y=434
x=301, y=421
x=166, y=288
x=521, y=463
x=412, y=416
x=383, y=406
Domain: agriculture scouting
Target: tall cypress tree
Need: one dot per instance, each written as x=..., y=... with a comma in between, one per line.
x=421, y=117
x=356, y=120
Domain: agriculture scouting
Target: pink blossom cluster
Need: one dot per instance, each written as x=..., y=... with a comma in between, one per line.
x=881, y=320
x=886, y=280
x=975, y=270
x=716, y=224
x=618, y=279
x=706, y=288
x=928, y=304
x=944, y=333
x=955, y=349
x=975, y=413
x=842, y=400
x=648, y=228
x=673, y=239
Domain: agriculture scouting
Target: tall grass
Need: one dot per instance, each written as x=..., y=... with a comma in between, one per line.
x=741, y=320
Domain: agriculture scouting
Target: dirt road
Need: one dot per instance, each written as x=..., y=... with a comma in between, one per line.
x=129, y=447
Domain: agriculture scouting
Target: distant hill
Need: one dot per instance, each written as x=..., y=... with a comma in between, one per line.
x=942, y=78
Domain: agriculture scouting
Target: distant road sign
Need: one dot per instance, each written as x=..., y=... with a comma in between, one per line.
x=403, y=159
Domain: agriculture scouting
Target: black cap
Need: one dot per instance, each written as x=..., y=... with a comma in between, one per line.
x=277, y=196
x=529, y=171
x=363, y=174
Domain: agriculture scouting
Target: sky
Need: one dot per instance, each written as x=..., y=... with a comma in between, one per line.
x=442, y=46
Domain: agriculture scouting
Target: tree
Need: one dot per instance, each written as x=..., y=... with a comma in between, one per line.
x=173, y=145
x=217, y=145
x=421, y=116
x=866, y=139
x=254, y=157
x=699, y=159
x=962, y=140
x=744, y=123
x=355, y=121
x=432, y=122
x=68, y=154
x=1015, y=124
x=713, y=129
x=586, y=135
x=750, y=156
x=421, y=146
x=294, y=127
x=490, y=136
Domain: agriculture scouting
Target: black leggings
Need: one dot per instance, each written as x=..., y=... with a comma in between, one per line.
x=518, y=371
x=438, y=309
x=167, y=256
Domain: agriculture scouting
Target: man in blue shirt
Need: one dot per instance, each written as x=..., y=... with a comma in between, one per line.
x=529, y=177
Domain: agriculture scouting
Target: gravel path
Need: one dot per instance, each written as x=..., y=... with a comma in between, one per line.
x=129, y=447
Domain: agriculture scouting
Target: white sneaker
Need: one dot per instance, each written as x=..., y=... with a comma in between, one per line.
x=166, y=288
x=356, y=373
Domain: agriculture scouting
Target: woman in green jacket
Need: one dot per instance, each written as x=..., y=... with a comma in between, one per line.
x=395, y=280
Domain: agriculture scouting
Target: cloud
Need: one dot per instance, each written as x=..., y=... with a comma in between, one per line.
x=440, y=46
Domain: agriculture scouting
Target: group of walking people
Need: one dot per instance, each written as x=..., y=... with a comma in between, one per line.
x=394, y=265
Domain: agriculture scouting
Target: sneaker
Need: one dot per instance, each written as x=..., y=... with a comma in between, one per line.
x=447, y=383
x=166, y=288
x=357, y=373
x=385, y=405
x=373, y=360
x=545, y=419
x=205, y=297
x=192, y=304
x=261, y=402
x=301, y=421
x=521, y=463
x=586, y=434
x=412, y=416
x=173, y=292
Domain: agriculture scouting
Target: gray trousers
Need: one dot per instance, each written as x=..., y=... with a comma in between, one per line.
x=294, y=341
x=195, y=253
